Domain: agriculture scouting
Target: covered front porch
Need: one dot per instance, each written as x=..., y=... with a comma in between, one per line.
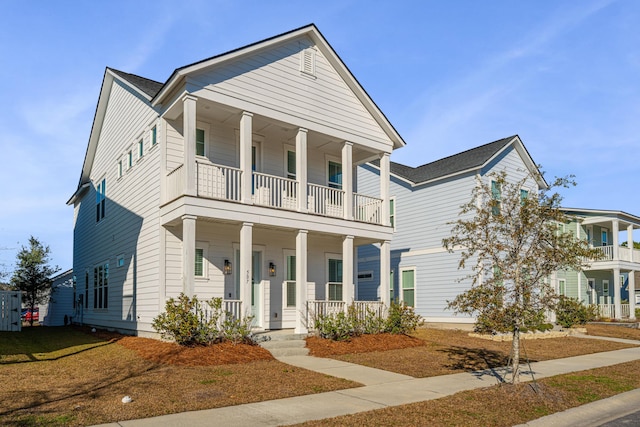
x=282, y=276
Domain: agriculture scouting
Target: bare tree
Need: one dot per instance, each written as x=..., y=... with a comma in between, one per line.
x=514, y=241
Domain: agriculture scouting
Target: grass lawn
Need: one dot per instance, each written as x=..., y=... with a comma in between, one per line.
x=63, y=376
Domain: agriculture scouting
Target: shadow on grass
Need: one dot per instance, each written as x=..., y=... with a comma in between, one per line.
x=37, y=343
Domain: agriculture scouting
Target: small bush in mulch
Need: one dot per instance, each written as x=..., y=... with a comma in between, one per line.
x=323, y=347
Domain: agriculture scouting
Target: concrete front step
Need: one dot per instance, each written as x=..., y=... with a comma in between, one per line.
x=282, y=343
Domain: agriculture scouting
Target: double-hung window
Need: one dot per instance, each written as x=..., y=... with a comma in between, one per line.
x=408, y=286
x=199, y=264
x=101, y=191
x=290, y=281
x=335, y=175
x=200, y=142
x=334, y=288
x=496, y=195
x=101, y=286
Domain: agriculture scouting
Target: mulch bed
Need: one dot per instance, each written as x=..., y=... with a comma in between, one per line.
x=363, y=344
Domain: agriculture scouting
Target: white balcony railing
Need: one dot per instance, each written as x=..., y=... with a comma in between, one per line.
x=218, y=182
x=624, y=253
x=274, y=191
x=325, y=200
x=367, y=209
x=608, y=311
x=175, y=183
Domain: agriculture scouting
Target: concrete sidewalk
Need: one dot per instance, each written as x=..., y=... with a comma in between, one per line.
x=382, y=389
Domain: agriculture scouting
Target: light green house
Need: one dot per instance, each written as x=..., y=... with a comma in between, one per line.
x=609, y=282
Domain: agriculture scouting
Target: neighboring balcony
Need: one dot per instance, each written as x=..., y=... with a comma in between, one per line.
x=624, y=254
x=224, y=183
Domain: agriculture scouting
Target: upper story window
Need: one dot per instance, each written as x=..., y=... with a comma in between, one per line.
x=291, y=164
x=154, y=136
x=496, y=195
x=129, y=159
x=605, y=240
x=524, y=194
x=392, y=212
x=101, y=191
x=334, y=174
x=199, y=142
x=140, y=148
x=119, y=168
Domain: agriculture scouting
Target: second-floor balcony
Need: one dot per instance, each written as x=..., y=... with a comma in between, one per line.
x=623, y=254
x=220, y=182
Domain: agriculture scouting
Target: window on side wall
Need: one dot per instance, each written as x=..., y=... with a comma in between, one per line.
x=524, y=194
x=154, y=136
x=101, y=286
x=200, y=142
x=101, y=191
x=140, y=148
x=290, y=281
x=392, y=212
x=408, y=278
x=496, y=195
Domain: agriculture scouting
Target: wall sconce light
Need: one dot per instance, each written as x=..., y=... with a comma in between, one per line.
x=227, y=267
x=272, y=269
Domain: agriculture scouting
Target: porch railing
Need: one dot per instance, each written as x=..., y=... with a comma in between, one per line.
x=175, y=183
x=367, y=208
x=317, y=308
x=274, y=191
x=218, y=182
x=233, y=307
x=325, y=200
x=607, y=252
x=609, y=311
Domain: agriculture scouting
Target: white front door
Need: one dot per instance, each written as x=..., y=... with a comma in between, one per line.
x=593, y=299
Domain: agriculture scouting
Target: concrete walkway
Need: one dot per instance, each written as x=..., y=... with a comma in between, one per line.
x=383, y=389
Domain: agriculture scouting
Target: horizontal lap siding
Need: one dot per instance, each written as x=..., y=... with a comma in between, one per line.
x=130, y=226
x=174, y=141
x=273, y=79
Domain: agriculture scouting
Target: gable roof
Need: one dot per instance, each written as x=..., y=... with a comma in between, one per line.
x=464, y=162
x=147, y=86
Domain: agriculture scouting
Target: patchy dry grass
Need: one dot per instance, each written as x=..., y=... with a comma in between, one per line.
x=613, y=330
x=449, y=351
x=503, y=405
x=60, y=376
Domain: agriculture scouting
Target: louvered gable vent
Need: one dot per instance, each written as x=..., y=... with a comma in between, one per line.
x=308, y=61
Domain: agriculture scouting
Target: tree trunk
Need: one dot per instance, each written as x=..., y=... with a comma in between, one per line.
x=515, y=349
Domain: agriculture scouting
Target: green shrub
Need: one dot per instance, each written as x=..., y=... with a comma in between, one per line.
x=186, y=322
x=341, y=326
x=570, y=312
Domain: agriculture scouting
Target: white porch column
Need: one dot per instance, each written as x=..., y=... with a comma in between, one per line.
x=246, y=252
x=630, y=241
x=385, y=272
x=616, y=240
x=301, y=169
x=188, y=254
x=617, y=301
x=384, y=187
x=347, y=179
x=246, y=122
x=301, y=282
x=189, y=150
x=347, y=268
x=632, y=294
x=578, y=228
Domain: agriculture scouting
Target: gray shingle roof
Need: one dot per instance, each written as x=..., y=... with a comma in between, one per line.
x=150, y=87
x=470, y=159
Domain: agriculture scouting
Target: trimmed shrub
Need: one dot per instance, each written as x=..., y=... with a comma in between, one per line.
x=570, y=312
x=402, y=319
x=186, y=322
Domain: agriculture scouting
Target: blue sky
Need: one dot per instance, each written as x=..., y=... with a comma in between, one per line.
x=450, y=75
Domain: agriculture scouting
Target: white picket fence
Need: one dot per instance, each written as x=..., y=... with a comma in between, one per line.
x=10, y=306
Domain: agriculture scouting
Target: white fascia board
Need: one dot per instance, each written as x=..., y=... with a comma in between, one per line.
x=526, y=158
x=77, y=194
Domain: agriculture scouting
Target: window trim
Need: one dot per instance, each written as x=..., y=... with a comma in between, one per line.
x=120, y=260
x=333, y=256
x=393, y=217
x=496, y=194
x=101, y=286
x=101, y=197
x=206, y=128
x=204, y=247
x=140, y=148
x=285, y=282
x=332, y=159
x=562, y=287
x=153, y=135
x=401, y=287
x=287, y=174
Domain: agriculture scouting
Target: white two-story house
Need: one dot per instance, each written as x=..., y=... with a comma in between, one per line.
x=234, y=179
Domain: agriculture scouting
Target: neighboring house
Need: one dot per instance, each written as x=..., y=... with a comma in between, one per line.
x=61, y=301
x=611, y=280
x=424, y=200
x=233, y=179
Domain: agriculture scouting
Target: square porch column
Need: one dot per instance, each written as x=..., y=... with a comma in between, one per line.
x=301, y=282
x=246, y=138
x=188, y=254
x=245, y=271
x=632, y=294
x=301, y=169
x=616, y=240
x=347, y=179
x=617, y=300
x=384, y=187
x=189, y=150
x=385, y=273
x=347, y=269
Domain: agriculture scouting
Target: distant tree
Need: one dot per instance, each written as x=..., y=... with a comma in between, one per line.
x=33, y=274
x=514, y=241
x=636, y=245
